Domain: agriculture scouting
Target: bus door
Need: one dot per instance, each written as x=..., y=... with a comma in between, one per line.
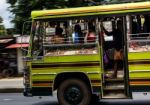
x=115, y=71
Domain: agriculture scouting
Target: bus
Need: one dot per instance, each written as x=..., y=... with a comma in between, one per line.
x=70, y=52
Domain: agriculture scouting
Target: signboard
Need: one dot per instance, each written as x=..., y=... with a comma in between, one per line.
x=23, y=39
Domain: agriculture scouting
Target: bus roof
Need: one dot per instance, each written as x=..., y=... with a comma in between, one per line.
x=92, y=10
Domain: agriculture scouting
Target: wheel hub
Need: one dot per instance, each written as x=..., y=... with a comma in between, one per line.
x=73, y=95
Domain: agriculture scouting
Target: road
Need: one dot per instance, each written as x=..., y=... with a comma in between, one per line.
x=19, y=99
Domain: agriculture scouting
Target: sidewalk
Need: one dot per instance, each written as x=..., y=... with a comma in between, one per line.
x=11, y=85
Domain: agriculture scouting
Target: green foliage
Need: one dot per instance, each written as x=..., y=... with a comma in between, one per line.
x=1, y=20
x=2, y=28
x=12, y=2
x=10, y=31
x=22, y=8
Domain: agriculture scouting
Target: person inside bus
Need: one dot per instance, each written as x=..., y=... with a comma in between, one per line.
x=136, y=27
x=91, y=34
x=77, y=34
x=118, y=44
x=58, y=38
x=146, y=26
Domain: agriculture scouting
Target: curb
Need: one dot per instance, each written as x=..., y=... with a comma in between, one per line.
x=11, y=90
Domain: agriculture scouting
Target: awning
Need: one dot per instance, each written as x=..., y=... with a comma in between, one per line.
x=5, y=40
x=18, y=45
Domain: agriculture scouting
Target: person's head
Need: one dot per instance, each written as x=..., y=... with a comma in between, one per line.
x=77, y=28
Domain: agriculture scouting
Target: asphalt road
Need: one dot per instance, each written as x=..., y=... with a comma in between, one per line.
x=19, y=99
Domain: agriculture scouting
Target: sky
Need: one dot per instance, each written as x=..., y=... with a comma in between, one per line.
x=5, y=14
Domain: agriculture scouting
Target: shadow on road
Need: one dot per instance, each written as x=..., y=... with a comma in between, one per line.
x=46, y=103
x=130, y=102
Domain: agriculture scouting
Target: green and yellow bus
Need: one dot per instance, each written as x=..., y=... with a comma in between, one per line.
x=64, y=56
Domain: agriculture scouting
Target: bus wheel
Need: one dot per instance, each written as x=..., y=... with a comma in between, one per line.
x=74, y=92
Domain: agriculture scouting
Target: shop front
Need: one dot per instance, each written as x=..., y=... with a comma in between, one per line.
x=22, y=42
x=8, y=61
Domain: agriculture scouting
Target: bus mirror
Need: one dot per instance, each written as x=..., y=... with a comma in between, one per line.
x=25, y=37
x=26, y=29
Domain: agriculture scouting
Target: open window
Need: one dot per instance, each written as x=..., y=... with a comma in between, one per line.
x=64, y=37
x=139, y=33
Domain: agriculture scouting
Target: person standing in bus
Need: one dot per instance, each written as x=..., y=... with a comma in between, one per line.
x=118, y=44
x=77, y=34
x=58, y=38
x=91, y=34
x=146, y=26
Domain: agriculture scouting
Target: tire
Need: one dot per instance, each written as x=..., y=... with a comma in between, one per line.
x=7, y=72
x=73, y=92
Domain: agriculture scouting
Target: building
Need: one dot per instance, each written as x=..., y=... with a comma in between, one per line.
x=21, y=47
x=8, y=61
x=11, y=54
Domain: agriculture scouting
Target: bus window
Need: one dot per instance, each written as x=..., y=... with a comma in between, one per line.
x=71, y=44
x=139, y=39
x=142, y=45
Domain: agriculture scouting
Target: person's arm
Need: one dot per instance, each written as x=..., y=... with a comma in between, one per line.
x=73, y=37
x=106, y=32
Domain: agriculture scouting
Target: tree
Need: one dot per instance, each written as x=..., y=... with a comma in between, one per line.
x=1, y=20
x=12, y=2
x=2, y=28
x=119, y=1
x=22, y=8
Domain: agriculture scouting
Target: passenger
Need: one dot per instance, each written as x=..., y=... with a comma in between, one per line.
x=135, y=27
x=90, y=36
x=118, y=44
x=58, y=38
x=146, y=26
x=77, y=34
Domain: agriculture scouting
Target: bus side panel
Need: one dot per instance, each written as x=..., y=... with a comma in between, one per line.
x=42, y=82
x=44, y=73
x=139, y=68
